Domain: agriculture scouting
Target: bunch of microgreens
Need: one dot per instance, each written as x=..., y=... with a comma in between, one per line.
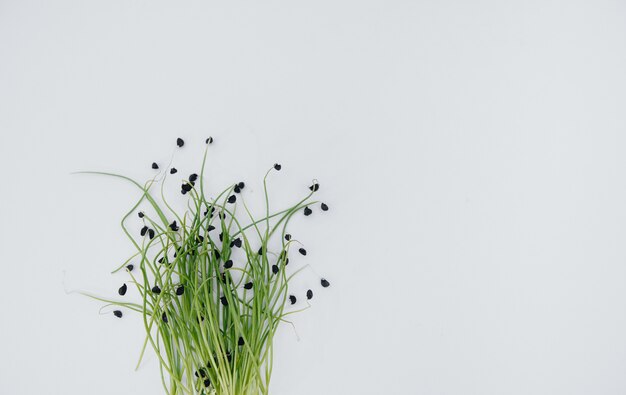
x=210, y=320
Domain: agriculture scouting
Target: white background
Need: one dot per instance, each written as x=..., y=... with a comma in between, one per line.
x=472, y=153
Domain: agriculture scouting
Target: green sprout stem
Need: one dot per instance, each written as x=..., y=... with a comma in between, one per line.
x=216, y=337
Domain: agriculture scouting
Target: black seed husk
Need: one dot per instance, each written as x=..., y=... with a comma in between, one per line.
x=151, y=233
x=241, y=342
x=309, y=294
x=186, y=187
x=164, y=317
x=277, y=166
x=248, y=285
x=173, y=226
x=156, y=289
x=325, y=283
x=228, y=264
x=209, y=140
x=307, y=211
x=193, y=177
x=144, y=230
x=173, y=170
x=287, y=237
x=154, y=165
x=292, y=299
x=117, y=313
x=274, y=269
x=302, y=251
x=237, y=189
x=224, y=300
x=140, y=214
x=324, y=207
x=232, y=199
x=180, y=290
x=122, y=290
x=315, y=187
x=180, y=142
x=130, y=268
x=241, y=185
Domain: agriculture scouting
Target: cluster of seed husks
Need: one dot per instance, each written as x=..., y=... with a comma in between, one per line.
x=190, y=261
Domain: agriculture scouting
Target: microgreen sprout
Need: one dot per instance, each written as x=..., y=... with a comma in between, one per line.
x=211, y=304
